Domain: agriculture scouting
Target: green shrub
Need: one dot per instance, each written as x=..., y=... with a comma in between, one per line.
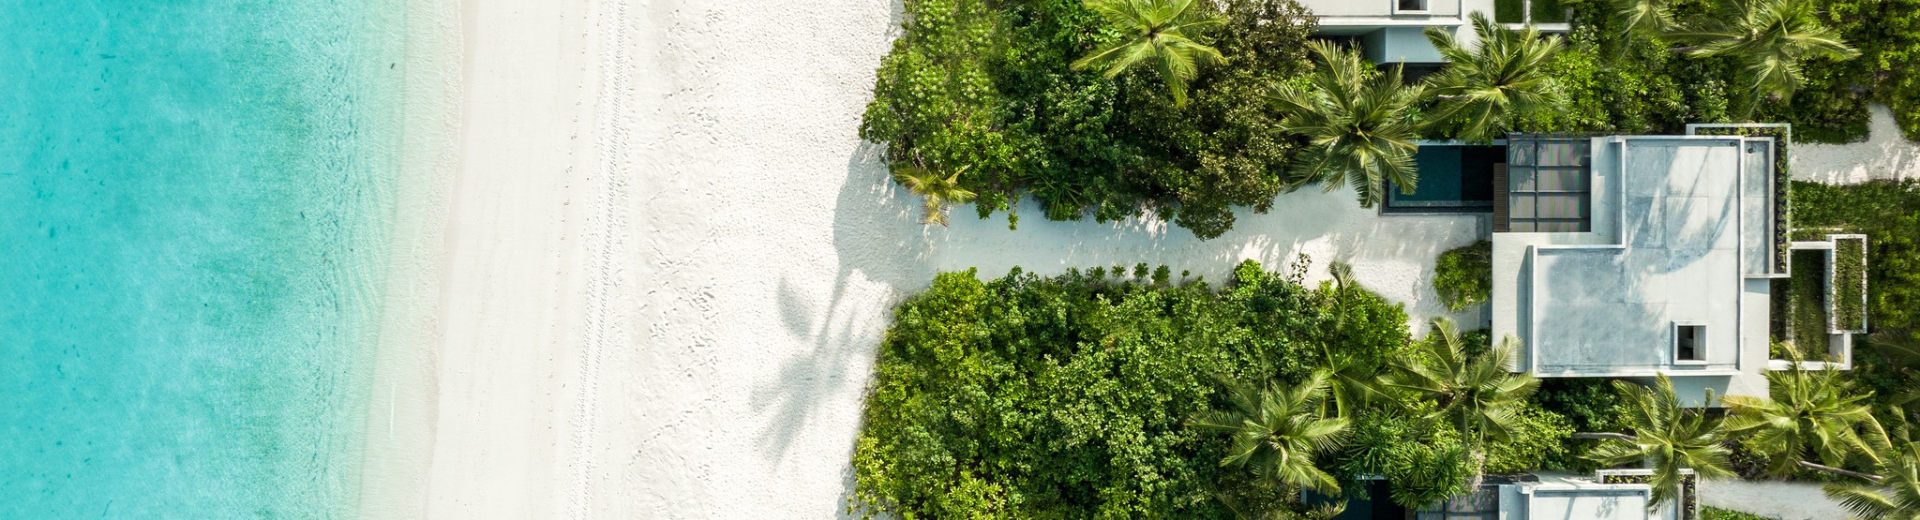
x=1539, y=435
x=1509, y=11
x=987, y=85
x=1849, y=279
x=1808, y=295
x=1889, y=214
x=1587, y=405
x=1549, y=11
x=1714, y=513
x=1067, y=397
x=1463, y=277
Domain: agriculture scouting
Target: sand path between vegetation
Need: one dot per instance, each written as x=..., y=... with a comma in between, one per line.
x=771, y=249
x=1885, y=155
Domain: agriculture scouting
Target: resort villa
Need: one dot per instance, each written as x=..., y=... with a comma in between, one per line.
x=1619, y=256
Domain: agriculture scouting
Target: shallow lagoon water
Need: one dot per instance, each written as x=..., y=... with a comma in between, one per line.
x=195, y=207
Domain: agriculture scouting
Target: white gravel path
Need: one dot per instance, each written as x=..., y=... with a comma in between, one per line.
x=1781, y=500
x=1885, y=155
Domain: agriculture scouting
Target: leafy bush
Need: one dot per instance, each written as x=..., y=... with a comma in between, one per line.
x=1587, y=405
x=1714, y=513
x=1540, y=435
x=1067, y=397
x=1808, y=300
x=987, y=85
x=1463, y=277
x=1889, y=214
x=1849, y=278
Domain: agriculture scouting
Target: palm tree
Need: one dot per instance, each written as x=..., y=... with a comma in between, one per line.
x=1350, y=379
x=1644, y=17
x=1478, y=393
x=1356, y=125
x=1768, y=38
x=1903, y=359
x=1158, y=33
x=1811, y=414
x=941, y=193
x=1665, y=436
x=1894, y=492
x=1485, y=89
x=1277, y=432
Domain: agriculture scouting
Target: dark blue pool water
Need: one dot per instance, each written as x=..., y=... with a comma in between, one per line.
x=1453, y=178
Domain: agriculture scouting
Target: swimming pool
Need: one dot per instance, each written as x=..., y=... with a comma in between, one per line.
x=1453, y=178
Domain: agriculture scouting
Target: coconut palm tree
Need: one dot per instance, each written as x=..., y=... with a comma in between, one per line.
x=1665, y=436
x=1810, y=415
x=1903, y=359
x=1356, y=124
x=1893, y=490
x=1768, y=38
x=1485, y=89
x=1277, y=432
x=940, y=192
x=1351, y=381
x=1894, y=493
x=1160, y=33
x=1478, y=393
x=1644, y=17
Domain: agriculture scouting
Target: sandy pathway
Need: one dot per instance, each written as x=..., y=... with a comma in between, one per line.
x=1782, y=500
x=1885, y=155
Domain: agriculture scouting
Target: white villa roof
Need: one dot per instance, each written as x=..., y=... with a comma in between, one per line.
x=1679, y=236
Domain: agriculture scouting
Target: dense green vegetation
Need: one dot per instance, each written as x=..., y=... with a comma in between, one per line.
x=990, y=85
x=1889, y=214
x=1849, y=283
x=1714, y=513
x=1463, y=277
x=1112, y=393
x=1101, y=395
x=1807, y=303
x=1887, y=32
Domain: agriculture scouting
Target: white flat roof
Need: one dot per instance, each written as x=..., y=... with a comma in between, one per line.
x=1669, y=246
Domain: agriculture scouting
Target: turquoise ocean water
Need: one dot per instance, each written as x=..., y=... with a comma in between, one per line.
x=195, y=205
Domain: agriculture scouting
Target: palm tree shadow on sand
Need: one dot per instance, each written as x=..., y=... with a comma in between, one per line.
x=880, y=247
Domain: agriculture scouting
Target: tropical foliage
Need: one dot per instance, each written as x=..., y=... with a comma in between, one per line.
x=940, y=192
x=1483, y=90
x=1463, y=277
x=1810, y=415
x=1277, y=432
x=991, y=86
x=1666, y=437
x=1769, y=40
x=1356, y=122
x=1476, y=392
x=1161, y=34
x=1112, y=394
x=1894, y=491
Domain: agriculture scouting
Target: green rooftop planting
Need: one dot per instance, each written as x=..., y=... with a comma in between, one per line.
x=1807, y=296
x=1850, y=284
